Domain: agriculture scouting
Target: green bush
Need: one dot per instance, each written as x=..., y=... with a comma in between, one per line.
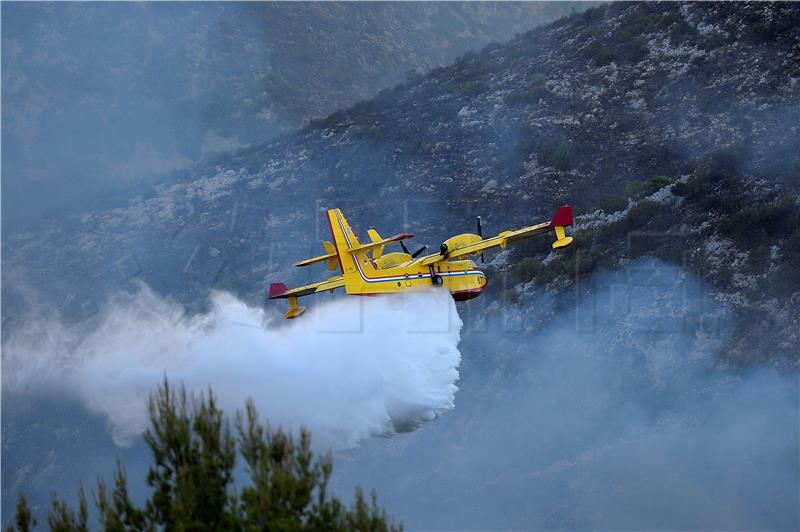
x=557, y=155
x=639, y=189
x=471, y=87
x=635, y=190
x=531, y=268
x=532, y=94
x=639, y=215
x=611, y=203
x=724, y=276
x=593, y=14
x=791, y=251
x=599, y=54
x=754, y=223
x=758, y=259
x=608, y=166
x=588, y=33
x=714, y=184
x=713, y=40
x=526, y=269
x=636, y=50
x=375, y=133
x=191, y=478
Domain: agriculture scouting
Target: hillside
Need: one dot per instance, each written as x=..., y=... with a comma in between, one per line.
x=569, y=113
x=673, y=131
x=122, y=95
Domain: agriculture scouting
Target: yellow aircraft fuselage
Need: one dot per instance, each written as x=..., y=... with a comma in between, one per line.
x=398, y=272
x=365, y=270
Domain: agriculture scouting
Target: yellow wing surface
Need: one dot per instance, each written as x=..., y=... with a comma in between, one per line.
x=280, y=291
x=467, y=244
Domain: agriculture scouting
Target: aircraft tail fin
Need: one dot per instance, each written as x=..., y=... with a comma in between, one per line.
x=357, y=266
x=377, y=250
x=277, y=290
x=562, y=218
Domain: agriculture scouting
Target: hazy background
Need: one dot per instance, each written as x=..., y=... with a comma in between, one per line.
x=101, y=100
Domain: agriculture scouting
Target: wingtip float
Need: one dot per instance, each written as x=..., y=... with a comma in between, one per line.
x=366, y=270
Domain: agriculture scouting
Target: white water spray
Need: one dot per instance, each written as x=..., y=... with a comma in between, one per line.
x=349, y=369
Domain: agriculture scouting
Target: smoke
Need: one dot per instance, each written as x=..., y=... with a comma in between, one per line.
x=613, y=413
x=348, y=369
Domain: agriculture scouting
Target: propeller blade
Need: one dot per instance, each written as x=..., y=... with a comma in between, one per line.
x=405, y=249
x=417, y=252
x=480, y=234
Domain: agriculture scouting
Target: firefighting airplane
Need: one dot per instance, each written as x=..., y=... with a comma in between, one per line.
x=397, y=272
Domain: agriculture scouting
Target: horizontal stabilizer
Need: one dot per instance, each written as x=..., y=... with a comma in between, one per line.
x=395, y=238
x=279, y=290
x=331, y=256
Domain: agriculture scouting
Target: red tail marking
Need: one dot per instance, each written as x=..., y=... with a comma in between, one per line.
x=562, y=217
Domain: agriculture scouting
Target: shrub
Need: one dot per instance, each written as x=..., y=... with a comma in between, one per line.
x=753, y=223
x=658, y=182
x=191, y=478
x=532, y=94
x=611, y=203
x=714, y=184
x=791, y=251
x=636, y=50
x=588, y=33
x=527, y=269
x=640, y=189
x=587, y=261
x=599, y=54
x=713, y=40
x=639, y=215
x=635, y=189
x=593, y=14
x=608, y=166
x=557, y=155
x=724, y=276
x=758, y=259
x=471, y=87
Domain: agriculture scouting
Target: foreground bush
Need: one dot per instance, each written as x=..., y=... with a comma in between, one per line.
x=191, y=479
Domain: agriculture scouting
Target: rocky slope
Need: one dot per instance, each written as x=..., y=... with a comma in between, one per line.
x=574, y=112
x=98, y=99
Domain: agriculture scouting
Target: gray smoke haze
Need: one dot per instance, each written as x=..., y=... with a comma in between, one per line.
x=353, y=368
x=613, y=415
x=103, y=100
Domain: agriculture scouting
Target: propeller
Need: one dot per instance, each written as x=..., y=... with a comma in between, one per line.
x=480, y=234
x=416, y=253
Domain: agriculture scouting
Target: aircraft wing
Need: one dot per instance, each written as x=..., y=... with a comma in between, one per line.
x=280, y=291
x=468, y=244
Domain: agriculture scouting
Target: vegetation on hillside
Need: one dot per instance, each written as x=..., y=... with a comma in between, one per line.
x=714, y=187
